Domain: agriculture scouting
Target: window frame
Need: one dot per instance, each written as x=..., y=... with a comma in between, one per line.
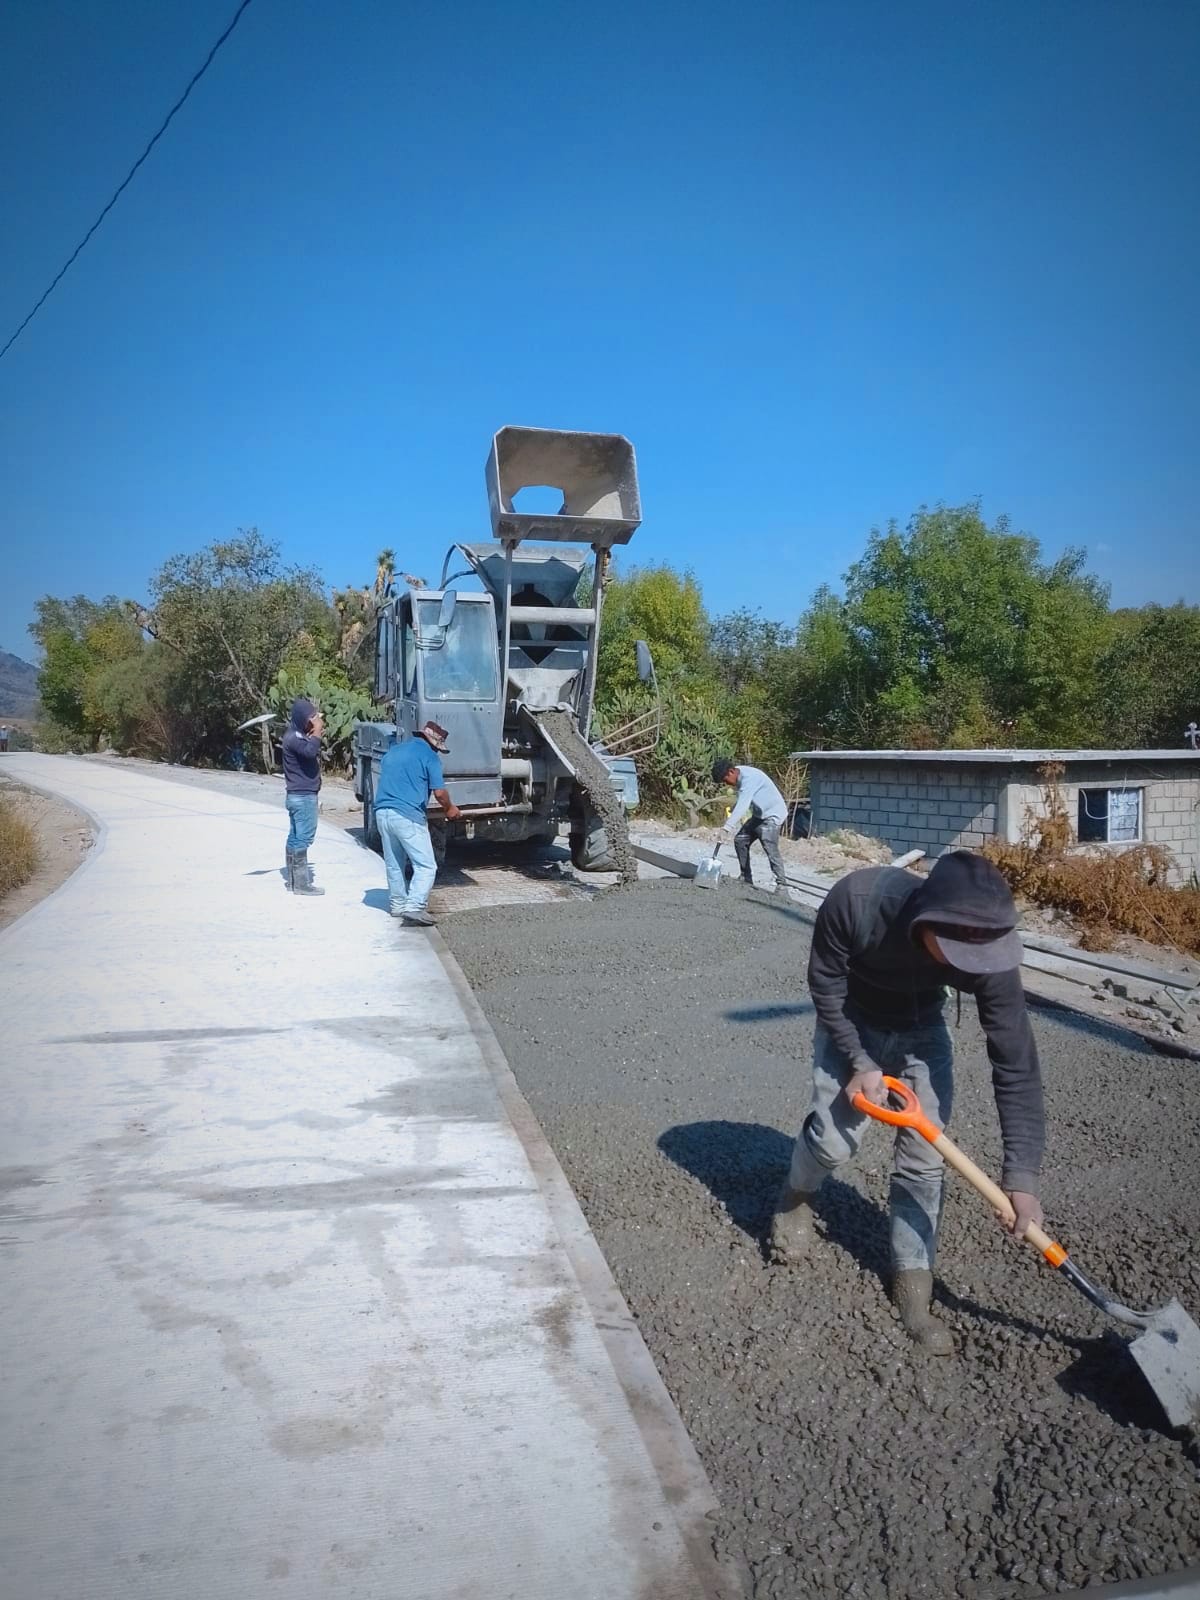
x=427, y=656
x=1088, y=791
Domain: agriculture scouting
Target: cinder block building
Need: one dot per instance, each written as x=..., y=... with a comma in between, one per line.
x=937, y=800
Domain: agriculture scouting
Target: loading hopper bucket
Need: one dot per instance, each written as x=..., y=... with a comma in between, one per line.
x=596, y=473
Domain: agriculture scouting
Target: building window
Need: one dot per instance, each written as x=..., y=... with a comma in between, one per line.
x=1109, y=816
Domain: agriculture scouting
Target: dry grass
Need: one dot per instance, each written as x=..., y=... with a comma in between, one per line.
x=1108, y=892
x=19, y=852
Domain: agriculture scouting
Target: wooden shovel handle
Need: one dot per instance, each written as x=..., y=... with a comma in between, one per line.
x=995, y=1197
x=910, y=1115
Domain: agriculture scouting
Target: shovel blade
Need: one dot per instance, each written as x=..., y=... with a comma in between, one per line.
x=1169, y=1356
x=708, y=874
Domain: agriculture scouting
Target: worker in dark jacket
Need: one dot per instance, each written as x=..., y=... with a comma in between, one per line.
x=885, y=946
x=302, y=783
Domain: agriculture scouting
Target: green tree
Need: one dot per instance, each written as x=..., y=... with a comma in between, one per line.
x=79, y=639
x=1149, y=676
x=235, y=615
x=748, y=656
x=666, y=609
x=953, y=633
x=143, y=701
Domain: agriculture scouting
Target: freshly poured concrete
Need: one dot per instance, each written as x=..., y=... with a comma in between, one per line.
x=284, y=1309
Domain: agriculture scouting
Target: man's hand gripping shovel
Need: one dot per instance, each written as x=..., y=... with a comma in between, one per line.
x=1168, y=1348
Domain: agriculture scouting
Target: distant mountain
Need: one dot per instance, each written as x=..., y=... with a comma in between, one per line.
x=18, y=687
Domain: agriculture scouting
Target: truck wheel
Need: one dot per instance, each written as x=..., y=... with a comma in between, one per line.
x=590, y=850
x=370, y=827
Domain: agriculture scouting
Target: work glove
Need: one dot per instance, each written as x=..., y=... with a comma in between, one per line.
x=1028, y=1208
x=866, y=1079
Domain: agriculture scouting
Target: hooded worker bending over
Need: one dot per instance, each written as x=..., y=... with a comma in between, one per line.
x=759, y=812
x=885, y=946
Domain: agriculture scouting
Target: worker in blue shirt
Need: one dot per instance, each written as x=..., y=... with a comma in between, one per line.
x=409, y=774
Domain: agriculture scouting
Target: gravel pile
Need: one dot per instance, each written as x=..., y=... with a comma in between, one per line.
x=662, y=1035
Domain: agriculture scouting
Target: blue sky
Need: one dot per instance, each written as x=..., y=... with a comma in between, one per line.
x=822, y=262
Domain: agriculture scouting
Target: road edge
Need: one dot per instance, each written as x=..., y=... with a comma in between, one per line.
x=677, y=1465
x=99, y=839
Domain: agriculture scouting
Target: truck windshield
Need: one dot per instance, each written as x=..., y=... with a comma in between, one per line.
x=464, y=667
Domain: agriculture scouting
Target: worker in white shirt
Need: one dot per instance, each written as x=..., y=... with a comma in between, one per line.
x=759, y=811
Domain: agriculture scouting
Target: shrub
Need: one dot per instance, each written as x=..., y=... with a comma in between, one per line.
x=677, y=771
x=55, y=740
x=340, y=705
x=19, y=853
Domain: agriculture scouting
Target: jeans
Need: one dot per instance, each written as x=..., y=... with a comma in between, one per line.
x=767, y=834
x=923, y=1057
x=302, y=812
x=406, y=841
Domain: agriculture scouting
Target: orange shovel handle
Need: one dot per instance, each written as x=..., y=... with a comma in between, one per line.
x=907, y=1115
x=910, y=1115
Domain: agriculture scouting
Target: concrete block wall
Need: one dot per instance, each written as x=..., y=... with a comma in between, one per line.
x=1170, y=804
x=910, y=805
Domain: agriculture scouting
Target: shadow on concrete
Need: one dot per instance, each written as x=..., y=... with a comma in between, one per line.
x=775, y=1013
x=1110, y=1032
x=377, y=900
x=1106, y=1374
x=743, y=1164
x=537, y=862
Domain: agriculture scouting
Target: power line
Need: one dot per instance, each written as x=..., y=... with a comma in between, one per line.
x=166, y=124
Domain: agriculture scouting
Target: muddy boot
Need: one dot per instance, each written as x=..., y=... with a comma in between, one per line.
x=792, y=1234
x=420, y=918
x=911, y=1293
x=289, y=871
x=302, y=875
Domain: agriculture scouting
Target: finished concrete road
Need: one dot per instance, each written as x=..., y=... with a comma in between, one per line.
x=285, y=1311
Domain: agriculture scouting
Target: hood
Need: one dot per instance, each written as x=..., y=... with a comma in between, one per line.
x=303, y=711
x=966, y=900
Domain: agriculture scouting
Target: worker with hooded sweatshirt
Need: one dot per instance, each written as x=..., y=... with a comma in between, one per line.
x=885, y=947
x=302, y=783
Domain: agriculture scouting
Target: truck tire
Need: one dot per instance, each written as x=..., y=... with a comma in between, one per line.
x=370, y=827
x=590, y=850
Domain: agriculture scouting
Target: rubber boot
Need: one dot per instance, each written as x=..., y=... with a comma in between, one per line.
x=302, y=875
x=289, y=871
x=792, y=1234
x=912, y=1291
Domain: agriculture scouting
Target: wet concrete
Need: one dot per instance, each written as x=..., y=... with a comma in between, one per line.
x=662, y=1035
x=594, y=779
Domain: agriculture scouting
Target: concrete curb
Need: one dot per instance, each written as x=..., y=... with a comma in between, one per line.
x=668, y=1444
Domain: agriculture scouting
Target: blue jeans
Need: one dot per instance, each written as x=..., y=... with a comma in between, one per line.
x=406, y=841
x=302, y=813
x=922, y=1056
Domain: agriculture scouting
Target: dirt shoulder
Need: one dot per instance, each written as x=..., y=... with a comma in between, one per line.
x=64, y=838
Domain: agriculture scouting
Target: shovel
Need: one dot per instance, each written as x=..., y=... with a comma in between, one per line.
x=1168, y=1347
x=708, y=873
